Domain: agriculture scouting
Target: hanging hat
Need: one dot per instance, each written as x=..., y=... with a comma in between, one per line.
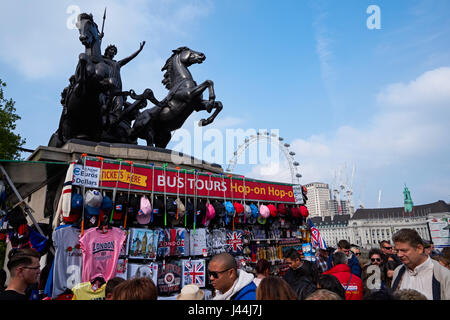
x=238, y=207
x=210, y=213
x=75, y=208
x=134, y=205
x=191, y=292
x=171, y=206
x=261, y=220
x=189, y=207
x=251, y=219
x=255, y=211
x=296, y=212
x=282, y=210
x=120, y=207
x=219, y=208
x=181, y=207
x=229, y=208
x=93, y=202
x=264, y=211
x=304, y=211
x=272, y=209
x=247, y=211
x=144, y=214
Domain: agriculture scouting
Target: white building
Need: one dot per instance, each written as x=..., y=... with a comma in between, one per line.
x=367, y=227
x=319, y=196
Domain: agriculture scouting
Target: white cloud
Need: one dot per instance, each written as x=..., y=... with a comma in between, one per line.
x=39, y=44
x=409, y=128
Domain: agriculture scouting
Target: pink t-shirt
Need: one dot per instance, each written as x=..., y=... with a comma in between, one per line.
x=101, y=252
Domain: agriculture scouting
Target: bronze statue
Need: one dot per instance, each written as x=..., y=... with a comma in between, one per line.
x=185, y=96
x=95, y=107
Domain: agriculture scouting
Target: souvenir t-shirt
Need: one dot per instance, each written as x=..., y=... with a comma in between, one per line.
x=194, y=272
x=169, y=277
x=216, y=241
x=150, y=270
x=197, y=243
x=172, y=242
x=235, y=242
x=85, y=291
x=68, y=260
x=101, y=252
x=143, y=243
x=122, y=268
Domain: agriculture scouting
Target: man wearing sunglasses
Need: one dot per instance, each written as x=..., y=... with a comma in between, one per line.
x=353, y=262
x=24, y=269
x=388, y=251
x=229, y=282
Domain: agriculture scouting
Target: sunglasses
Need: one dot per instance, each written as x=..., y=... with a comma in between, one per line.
x=375, y=259
x=215, y=274
x=387, y=248
x=357, y=253
x=32, y=268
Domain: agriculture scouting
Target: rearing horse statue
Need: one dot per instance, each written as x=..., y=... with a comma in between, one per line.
x=185, y=96
x=81, y=100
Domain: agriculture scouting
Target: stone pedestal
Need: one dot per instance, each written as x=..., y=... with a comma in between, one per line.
x=73, y=149
x=45, y=200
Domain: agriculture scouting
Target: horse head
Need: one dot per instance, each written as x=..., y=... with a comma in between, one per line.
x=189, y=57
x=176, y=66
x=89, y=34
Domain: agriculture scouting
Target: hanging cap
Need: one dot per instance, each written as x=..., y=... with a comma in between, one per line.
x=238, y=207
x=264, y=211
x=255, y=211
x=144, y=214
x=272, y=209
x=181, y=207
x=304, y=211
x=210, y=212
x=282, y=210
x=93, y=202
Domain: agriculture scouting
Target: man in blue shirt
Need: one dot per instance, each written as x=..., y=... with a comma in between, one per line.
x=353, y=263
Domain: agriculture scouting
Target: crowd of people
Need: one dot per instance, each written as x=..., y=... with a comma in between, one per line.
x=408, y=269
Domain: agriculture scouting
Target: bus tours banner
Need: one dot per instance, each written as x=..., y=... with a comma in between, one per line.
x=148, y=178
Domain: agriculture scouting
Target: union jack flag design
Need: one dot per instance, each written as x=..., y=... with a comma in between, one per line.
x=171, y=242
x=194, y=272
x=316, y=239
x=234, y=242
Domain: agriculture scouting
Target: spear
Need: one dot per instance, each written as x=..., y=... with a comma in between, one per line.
x=103, y=24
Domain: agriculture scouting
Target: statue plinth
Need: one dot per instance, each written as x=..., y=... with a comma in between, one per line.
x=73, y=149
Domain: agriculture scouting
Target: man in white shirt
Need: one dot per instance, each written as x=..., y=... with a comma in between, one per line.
x=418, y=271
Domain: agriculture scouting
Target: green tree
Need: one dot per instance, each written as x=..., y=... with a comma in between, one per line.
x=9, y=141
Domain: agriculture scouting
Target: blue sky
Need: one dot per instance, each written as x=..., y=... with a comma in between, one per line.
x=339, y=93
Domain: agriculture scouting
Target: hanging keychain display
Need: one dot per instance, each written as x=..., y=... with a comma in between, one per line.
x=195, y=199
x=128, y=197
x=243, y=181
x=153, y=188
x=224, y=198
x=232, y=197
x=83, y=189
x=165, y=199
x=185, y=197
x=115, y=191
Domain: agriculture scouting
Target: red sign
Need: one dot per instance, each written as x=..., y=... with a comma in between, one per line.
x=184, y=182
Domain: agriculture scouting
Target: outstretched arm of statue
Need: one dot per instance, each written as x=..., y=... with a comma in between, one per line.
x=126, y=60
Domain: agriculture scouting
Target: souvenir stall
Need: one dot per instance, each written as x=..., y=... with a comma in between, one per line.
x=120, y=219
